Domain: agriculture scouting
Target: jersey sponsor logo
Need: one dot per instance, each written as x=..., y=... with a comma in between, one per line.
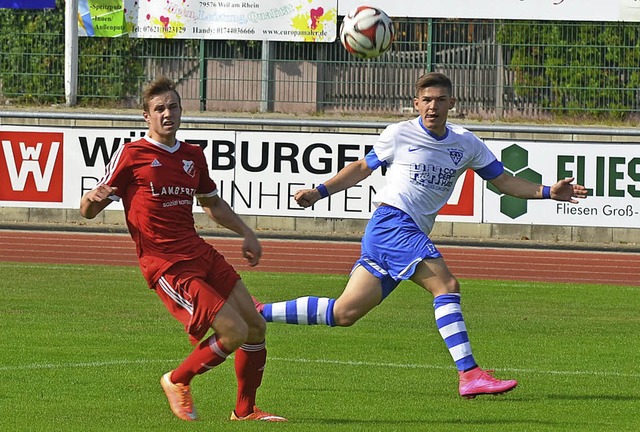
x=171, y=190
x=432, y=176
x=189, y=167
x=31, y=163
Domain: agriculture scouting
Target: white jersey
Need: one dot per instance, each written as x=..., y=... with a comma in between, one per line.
x=422, y=170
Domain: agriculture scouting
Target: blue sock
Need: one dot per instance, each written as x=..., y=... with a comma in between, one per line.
x=453, y=330
x=303, y=310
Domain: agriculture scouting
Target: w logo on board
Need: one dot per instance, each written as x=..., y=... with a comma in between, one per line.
x=31, y=166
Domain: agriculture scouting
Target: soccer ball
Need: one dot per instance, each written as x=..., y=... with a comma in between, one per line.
x=367, y=32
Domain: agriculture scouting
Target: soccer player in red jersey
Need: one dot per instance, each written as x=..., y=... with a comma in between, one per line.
x=157, y=179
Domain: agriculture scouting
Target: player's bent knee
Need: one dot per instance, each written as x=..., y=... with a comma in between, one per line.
x=231, y=333
x=453, y=286
x=447, y=286
x=234, y=340
x=345, y=319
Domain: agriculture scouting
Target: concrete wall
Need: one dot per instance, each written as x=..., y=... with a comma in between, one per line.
x=339, y=229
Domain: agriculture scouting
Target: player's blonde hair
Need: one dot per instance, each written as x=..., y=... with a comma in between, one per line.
x=156, y=87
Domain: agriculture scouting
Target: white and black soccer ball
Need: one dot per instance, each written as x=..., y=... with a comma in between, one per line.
x=367, y=32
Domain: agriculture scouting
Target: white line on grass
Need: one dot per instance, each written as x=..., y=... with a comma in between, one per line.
x=96, y=364
x=423, y=366
x=83, y=364
x=63, y=267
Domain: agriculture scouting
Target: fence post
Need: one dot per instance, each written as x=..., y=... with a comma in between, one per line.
x=265, y=88
x=203, y=76
x=321, y=87
x=429, y=64
x=499, y=94
x=71, y=52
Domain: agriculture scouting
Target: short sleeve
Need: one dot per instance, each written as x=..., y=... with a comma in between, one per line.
x=491, y=171
x=373, y=162
x=384, y=147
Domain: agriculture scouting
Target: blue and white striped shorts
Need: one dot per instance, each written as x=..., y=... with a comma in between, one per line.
x=392, y=246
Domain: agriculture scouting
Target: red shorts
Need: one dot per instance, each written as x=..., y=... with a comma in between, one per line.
x=195, y=290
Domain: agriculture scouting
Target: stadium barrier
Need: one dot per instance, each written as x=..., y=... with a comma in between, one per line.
x=523, y=234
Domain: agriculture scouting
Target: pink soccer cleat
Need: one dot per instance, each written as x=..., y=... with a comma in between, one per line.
x=478, y=382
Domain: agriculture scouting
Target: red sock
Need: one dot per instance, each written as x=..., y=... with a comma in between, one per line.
x=250, y=360
x=207, y=355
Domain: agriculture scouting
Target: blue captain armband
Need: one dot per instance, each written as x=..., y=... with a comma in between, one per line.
x=323, y=190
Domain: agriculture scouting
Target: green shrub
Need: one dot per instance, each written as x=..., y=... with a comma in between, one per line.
x=575, y=69
x=32, y=60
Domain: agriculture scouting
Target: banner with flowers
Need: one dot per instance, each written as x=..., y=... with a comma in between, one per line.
x=274, y=20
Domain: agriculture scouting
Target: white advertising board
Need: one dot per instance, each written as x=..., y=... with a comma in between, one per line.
x=257, y=172
x=610, y=171
x=561, y=10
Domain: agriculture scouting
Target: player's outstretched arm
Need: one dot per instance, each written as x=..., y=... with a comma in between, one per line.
x=94, y=201
x=519, y=187
x=221, y=213
x=348, y=176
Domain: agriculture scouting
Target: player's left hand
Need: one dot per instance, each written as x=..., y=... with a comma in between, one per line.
x=565, y=191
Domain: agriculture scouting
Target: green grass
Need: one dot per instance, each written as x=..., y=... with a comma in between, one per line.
x=82, y=348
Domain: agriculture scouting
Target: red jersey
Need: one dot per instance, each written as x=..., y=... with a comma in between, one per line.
x=158, y=185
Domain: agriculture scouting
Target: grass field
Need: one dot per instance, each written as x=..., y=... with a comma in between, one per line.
x=82, y=348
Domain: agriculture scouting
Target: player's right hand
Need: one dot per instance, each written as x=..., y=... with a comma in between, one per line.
x=101, y=193
x=307, y=197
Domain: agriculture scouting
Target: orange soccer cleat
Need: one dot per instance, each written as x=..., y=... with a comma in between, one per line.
x=180, y=400
x=258, y=415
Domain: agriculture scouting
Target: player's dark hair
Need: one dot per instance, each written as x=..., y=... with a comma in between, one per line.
x=433, y=79
x=156, y=87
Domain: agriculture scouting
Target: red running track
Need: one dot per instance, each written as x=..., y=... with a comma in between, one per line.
x=306, y=256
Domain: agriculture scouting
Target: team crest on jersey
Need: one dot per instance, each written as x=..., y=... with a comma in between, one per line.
x=456, y=155
x=189, y=168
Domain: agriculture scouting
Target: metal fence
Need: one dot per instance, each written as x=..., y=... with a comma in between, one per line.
x=500, y=69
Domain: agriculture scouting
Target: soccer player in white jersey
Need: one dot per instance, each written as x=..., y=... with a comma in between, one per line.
x=424, y=158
